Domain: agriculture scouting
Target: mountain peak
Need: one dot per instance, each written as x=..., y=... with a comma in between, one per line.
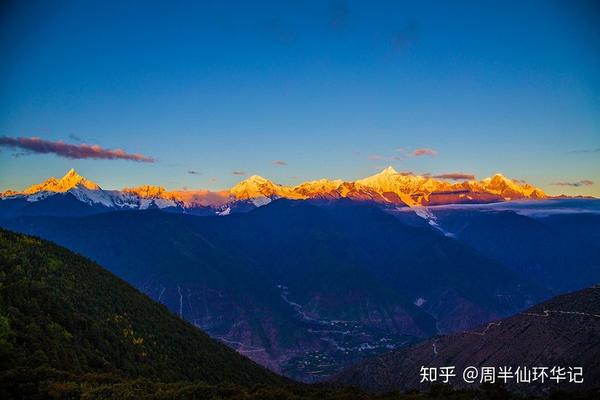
x=499, y=177
x=69, y=181
x=254, y=181
x=385, y=175
x=71, y=177
x=257, y=178
x=255, y=186
x=148, y=191
x=388, y=171
x=511, y=188
x=71, y=173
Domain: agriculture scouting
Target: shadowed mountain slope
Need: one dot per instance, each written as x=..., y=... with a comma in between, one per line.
x=61, y=311
x=563, y=331
x=560, y=251
x=292, y=284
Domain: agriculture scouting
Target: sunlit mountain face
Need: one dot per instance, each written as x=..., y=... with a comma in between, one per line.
x=309, y=279
x=388, y=187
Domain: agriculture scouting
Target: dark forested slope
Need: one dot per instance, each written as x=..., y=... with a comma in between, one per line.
x=59, y=310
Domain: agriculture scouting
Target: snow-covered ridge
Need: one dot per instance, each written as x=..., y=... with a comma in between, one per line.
x=71, y=180
x=387, y=187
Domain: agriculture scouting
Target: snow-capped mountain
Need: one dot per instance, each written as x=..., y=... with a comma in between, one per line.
x=388, y=187
x=71, y=180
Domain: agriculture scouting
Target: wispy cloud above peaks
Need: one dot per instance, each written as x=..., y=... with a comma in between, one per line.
x=241, y=173
x=194, y=172
x=457, y=176
x=72, y=151
x=583, y=182
x=280, y=163
x=424, y=152
x=379, y=157
x=418, y=152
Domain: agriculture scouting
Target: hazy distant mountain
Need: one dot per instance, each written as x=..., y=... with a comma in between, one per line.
x=563, y=332
x=560, y=250
x=388, y=187
x=301, y=288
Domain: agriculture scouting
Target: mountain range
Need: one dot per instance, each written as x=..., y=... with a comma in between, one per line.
x=70, y=329
x=388, y=187
x=311, y=279
x=301, y=288
x=562, y=332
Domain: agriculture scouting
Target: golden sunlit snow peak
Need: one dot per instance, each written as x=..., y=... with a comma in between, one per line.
x=69, y=181
x=386, y=186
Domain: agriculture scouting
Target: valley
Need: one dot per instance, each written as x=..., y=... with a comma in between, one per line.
x=310, y=287
x=563, y=331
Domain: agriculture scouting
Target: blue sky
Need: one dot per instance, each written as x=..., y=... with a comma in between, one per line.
x=333, y=89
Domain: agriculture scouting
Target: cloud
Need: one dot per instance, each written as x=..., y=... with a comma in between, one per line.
x=423, y=152
x=213, y=180
x=401, y=157
x=192, y=172
x=61, y=149
x=238, y=173
x=584, y=182
x=457, y=176
x=280, y=163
